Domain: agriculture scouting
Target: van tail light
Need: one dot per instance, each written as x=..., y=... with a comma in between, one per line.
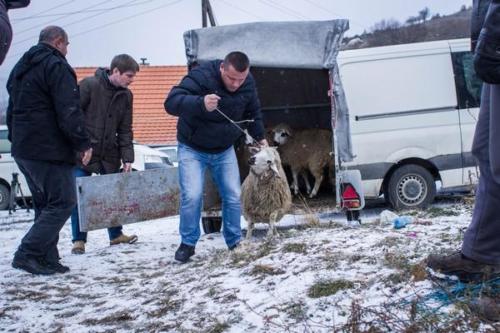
x=350, y=197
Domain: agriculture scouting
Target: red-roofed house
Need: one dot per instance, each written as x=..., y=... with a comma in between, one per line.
x=151, y=124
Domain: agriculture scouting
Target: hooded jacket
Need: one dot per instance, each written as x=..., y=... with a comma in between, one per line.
x=486, y=30
x=108, y=120
x=44, y=117
x=207, y=131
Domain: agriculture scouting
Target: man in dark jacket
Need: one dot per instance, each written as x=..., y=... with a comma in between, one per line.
x=106, y=102
x=480, y=255
x=5, y=28
x=206, y=139
x=47, y=131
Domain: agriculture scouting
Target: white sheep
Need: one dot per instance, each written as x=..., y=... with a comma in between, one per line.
x=305, y=150
x=265, y=194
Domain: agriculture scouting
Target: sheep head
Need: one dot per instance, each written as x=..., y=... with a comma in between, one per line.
x=265, y=161
x=281, y=133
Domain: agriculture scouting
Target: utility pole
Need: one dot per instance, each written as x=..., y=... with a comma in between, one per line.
x=206, y=11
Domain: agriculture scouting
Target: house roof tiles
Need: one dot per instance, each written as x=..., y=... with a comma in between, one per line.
x=151, y=124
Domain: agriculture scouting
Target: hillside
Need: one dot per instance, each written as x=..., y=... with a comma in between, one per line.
x=392, y=32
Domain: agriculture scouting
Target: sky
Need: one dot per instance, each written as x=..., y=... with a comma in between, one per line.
x=153, y=29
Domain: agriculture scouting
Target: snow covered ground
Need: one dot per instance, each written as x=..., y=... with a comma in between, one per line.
x=314, y=278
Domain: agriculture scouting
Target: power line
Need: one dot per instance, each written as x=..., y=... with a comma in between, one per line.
x=51, y=21
x=126, y=18
x=283, y=9
x=81, y=11
x=317, y=5
x=78, y=21
x=46, y=11
x=242, y=10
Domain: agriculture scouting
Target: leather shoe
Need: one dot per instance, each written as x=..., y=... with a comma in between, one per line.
x=466, y=269
x=32, y=265
x=184, y=252
x=58, y=267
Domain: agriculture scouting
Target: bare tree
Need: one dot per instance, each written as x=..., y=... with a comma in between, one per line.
x=412, y=20
x=424, y=14
x=383, y=25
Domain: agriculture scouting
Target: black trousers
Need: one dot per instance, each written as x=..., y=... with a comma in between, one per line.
x=53, y=191
x=482, y=238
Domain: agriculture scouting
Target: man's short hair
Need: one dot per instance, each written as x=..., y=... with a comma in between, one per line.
x=51, y=33
x=124, y=63
x=238, y=60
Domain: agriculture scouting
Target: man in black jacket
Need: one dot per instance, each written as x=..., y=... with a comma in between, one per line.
x=5, y=28
x=107, y=103
x=47, y=131
x=206, y=139
x=479, y=257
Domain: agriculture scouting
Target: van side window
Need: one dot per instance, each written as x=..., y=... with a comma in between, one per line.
x=4, y=142
x=467, y=83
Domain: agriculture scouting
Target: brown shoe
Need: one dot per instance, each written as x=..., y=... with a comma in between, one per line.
x=466, y=269
x=78, y=247
x=123, y=239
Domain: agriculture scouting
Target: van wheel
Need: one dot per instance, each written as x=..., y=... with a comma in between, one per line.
x=411, y=186
x=4, y=197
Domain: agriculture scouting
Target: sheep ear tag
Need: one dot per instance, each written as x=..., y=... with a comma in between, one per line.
x=274, y=168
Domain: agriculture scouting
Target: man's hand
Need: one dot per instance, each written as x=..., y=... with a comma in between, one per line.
x=86, y=155
x=211, y=102
x=127, y=167
x=263, y=143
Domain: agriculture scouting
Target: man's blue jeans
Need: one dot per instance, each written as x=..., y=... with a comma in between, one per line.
x=226, y=175
x=75, y=224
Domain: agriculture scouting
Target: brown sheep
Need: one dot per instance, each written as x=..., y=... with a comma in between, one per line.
x=265, y=194
x=302, y=150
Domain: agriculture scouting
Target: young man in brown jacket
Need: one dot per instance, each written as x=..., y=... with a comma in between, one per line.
x=106, y=102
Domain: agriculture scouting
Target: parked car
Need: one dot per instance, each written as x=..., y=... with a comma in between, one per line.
x=412, y=111
x=8, y=167
x=148, y=158
x=171, y=151
x=145, y=158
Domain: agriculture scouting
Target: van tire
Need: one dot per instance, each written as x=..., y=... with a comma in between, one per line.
x=411, y=186
x=4, y=197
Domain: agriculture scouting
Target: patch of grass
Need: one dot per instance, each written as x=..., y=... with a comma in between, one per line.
x=354, y=258
x=296, y=310
x=327, y=288
x=212, y=292
x=165, y=306
x=438, y=211
x=295, y=248
x=113, y=319
x=332, y=260
x=243, y=257
x=263, y=270
x=24, y=294
x=396, y=261
x=390, y=241
x=219, y=327
x=418, y=271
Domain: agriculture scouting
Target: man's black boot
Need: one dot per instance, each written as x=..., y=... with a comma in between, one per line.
x=184, y=252
x=58, y=267
x=32, y=265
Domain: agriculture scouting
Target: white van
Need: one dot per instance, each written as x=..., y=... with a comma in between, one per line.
x=145, y=158
x=413, y=110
